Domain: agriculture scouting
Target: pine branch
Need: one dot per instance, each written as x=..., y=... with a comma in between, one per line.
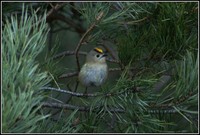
x=79, y=108
x=21, y=45
x=54, y=9
x=138, y=89
x=174, y=102
x=183, y=98
x=165, y=111
x=87, y=108
x=69, y=75
x=83, y=38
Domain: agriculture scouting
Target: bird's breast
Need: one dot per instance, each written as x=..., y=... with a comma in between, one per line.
x=93, y=74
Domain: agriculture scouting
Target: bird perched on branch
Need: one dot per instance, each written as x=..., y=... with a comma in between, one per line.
x=95, y=70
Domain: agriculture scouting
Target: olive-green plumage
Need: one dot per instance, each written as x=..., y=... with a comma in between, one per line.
x=95, y=70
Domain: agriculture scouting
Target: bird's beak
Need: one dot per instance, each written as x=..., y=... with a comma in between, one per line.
x=104, y=55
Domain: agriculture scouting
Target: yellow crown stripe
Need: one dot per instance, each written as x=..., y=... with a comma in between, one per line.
x=98, y=50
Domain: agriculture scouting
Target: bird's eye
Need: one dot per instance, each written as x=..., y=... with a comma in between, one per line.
x=97, y=55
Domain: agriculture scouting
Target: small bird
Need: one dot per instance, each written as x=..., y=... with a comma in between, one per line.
x=95, y=70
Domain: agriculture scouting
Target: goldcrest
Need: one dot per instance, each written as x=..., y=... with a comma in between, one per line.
x=95, y=70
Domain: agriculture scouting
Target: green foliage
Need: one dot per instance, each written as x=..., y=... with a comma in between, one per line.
x=133, y=47
x=182, y=92
x=63, y=125
x=90, y=10
x=168, y=33
x=136, y=118
x=187, y=86
x=151, y=40
x=22, y=42
x=187, y=77
x=174, y=28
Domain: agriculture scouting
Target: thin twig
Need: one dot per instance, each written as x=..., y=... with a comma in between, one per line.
x=87, y=108
x=75, y=89
x=53, y=15
x=137, y=89
x=69, y=92
x=162, y=111
x=80, y=108
x=69, y=98
x=184, y=98
x=57, y=7
x=49, y=13
x=69, y=75
x=83, y=38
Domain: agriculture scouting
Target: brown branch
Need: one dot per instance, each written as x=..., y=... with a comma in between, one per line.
x=136, y=89
x=75, y=89
x=87, y=108
x=118, y=69
x=49, y=13
x=80, y=108
x=69, y=75
x=183, y=98
x=70, y=97
x=53, y=15
x=83, y=38
x=162, y=111
x=57, y=7
x=70, y=92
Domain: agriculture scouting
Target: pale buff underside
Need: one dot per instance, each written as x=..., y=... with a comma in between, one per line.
x=93, y=74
